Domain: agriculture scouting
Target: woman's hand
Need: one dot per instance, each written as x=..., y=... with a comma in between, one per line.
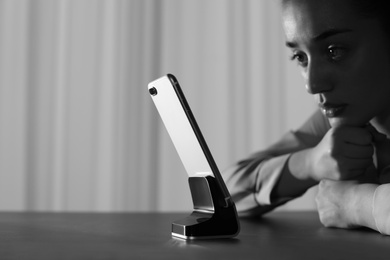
x=345, y=204
x=344, y=153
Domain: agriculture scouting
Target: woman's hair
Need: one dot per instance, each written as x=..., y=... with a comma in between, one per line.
x=372, y=9
x=375, y=9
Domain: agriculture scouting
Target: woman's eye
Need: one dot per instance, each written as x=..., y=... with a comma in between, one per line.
x=336, y=53
x=301, y=58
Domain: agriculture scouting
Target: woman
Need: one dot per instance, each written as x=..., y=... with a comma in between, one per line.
x=343, y=50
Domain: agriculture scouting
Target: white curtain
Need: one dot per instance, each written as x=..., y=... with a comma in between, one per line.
x=78, y=130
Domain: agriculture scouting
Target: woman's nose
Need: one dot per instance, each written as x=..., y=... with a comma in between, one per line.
x=317, y=79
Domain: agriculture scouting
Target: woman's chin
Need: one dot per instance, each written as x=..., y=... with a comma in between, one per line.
x=342, y=121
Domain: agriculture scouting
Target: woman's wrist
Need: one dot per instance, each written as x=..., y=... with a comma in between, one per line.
x=381, y=208
x=300, y=165
x=361, y=215
x=373, y=210
x=291, y=182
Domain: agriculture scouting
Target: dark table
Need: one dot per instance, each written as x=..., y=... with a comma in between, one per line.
x=279, y=235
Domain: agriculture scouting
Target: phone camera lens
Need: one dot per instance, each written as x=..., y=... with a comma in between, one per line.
x=153, y=91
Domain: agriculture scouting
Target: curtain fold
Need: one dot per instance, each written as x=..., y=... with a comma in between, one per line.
x=78, y=130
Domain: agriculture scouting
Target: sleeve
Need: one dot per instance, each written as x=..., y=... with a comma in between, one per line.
x=251, y=181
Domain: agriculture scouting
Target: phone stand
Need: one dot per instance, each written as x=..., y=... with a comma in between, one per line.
x=212, y=217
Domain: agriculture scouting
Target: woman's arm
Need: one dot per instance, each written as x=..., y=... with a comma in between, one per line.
x=344, y=153
x=252, y=180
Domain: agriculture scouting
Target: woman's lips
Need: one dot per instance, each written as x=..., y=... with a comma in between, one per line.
x=332, y=110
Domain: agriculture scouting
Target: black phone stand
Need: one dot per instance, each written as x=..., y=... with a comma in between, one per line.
x=212, y=217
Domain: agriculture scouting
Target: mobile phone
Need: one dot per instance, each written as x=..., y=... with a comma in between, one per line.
x=184, y=131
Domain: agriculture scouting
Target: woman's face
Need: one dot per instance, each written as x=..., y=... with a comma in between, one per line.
x=344, y=58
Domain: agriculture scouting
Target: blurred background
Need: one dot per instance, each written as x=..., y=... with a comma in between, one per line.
x=78, y=130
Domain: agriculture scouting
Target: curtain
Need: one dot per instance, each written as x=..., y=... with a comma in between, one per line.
x=78, y=130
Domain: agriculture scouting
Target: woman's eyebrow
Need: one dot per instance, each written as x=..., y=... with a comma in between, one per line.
x=329, y=33
x=291, y=45
x=322, y=36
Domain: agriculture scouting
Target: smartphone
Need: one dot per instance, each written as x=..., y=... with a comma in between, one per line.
x=184, y=132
